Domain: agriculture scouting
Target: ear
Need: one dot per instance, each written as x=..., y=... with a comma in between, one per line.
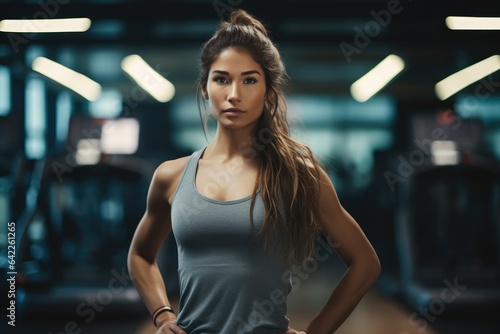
x=270, y=94
x=204, y=94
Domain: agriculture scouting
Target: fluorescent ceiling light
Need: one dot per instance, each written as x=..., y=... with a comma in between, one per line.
x=75, y=81
x=377, y=78
x=146, y=77
x=472, y=23
x=463, y=78
x=45, y=25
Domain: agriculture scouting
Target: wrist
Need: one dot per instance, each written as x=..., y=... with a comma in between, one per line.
x=164, y=318
x=162, y=313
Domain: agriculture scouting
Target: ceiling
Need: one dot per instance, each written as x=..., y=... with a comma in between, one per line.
x=326, y=45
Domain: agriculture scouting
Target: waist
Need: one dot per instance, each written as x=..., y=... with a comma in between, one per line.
x=233, y=299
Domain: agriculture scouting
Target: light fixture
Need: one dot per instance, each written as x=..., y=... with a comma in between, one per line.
x=472, y=23
x=73, y=80
x=45, y=25
x=377, y=78
x=463, y=78
x=444, y=152
x=146, y=77
x=120, y=136
x=87, y=151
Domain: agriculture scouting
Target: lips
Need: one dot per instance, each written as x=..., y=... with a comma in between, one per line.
x=232, y=110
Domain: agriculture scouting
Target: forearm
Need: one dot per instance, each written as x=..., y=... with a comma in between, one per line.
x=354, y=284
x=148, y=281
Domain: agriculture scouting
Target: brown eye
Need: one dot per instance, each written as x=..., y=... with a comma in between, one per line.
x=220, y=80
x=250, y=81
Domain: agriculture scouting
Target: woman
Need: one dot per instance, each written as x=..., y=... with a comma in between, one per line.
x=246, y=208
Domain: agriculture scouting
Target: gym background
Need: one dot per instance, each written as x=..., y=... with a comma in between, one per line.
x=399, y=98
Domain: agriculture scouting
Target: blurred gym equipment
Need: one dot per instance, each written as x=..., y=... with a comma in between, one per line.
x=447, y=220
x=82, y=208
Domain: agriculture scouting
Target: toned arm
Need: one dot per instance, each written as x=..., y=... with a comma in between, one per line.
x=363, y=266
x=151, y=231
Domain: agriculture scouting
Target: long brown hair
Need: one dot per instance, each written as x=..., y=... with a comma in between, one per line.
x=288, y=176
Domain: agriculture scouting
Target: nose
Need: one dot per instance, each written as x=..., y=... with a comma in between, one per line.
x=234, y=93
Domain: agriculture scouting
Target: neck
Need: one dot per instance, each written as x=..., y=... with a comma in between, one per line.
x=229, y=144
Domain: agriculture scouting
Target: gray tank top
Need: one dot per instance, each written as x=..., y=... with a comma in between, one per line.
x=227, y=284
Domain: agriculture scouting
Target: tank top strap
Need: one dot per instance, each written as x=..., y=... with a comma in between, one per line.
x=188, y=175
x=192, y=165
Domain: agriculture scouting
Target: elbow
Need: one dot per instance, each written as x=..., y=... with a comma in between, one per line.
x=366, y=270
x=367, y=267
x=373, y=268
x=138, y=260
x=130, y=262
x=377, y=267
x=133, y=260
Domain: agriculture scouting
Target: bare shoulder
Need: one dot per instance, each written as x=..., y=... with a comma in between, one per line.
x=169, y=173
x=170, y=169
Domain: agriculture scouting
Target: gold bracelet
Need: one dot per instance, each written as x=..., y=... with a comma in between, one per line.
x=159, y=310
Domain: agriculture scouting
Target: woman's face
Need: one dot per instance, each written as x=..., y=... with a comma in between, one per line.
x=236, y=89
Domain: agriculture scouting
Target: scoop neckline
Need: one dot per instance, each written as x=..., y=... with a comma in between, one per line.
x=212, y=200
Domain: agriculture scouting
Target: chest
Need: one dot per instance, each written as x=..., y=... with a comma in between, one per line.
x=225, y=181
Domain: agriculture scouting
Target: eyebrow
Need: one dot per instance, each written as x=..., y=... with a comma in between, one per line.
x=242, y=73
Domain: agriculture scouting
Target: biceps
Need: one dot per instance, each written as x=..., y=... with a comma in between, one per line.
x=342, y=229
x=150, y=233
